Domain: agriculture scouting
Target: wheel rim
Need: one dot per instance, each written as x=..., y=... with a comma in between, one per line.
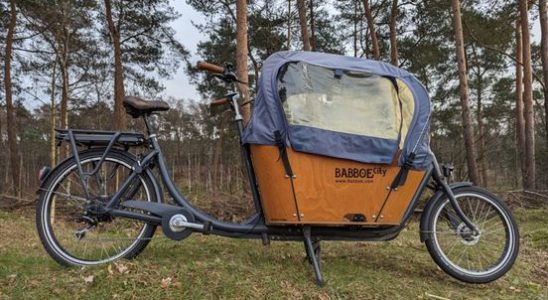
x=479, y=254
x=64, y=208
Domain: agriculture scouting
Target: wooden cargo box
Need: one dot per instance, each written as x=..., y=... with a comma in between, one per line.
x=330, y=191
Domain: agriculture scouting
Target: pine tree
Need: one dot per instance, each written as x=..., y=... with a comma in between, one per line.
x=304, y=26
x=528, y=104
x=12, y=129
x=469, y=142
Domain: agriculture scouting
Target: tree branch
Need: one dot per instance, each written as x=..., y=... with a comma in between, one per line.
x=33, y=51
x=229, y=10
x=471, y=34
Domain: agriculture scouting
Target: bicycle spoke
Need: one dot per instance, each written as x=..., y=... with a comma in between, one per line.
x=70, y=197
x=473, y=253
x=110, y=237
x=475, y=211
x=452, y=247
x=501, y=229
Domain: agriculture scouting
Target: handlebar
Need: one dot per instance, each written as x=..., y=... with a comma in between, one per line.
x=205, y=66
x=218, y=102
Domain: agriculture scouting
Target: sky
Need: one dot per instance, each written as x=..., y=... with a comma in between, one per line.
x=179, y=86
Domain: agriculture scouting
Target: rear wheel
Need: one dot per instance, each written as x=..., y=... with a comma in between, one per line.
x=470, y=257
x=70, y=223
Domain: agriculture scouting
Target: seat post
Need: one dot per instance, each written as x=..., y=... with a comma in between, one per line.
x=147, y=125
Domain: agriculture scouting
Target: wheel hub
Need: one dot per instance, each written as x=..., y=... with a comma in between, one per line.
x=467, y=236
x=96, y=210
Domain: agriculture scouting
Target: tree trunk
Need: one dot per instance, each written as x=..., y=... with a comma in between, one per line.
x=355, y=33
x=241, y=55
x=289, y=24
x=543, y=12
x=53, y=144
x=481, y=134
x=218, y=152
x=64, y=103
x=463, y=89
x=120, y=121
x=12, y=130
x=393, y=33
x=64, y=68
x=372, y=30
x=520, y=123
x=313, y=45
x=304, y=28
x=528, y=104
x=189, y=172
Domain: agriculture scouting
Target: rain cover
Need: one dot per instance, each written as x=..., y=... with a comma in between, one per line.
x=342, y=107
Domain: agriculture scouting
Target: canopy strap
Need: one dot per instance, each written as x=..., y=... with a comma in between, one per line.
x=404, y=170
x=283, y=153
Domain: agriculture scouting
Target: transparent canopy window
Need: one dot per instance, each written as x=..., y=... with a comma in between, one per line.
x=345, y=101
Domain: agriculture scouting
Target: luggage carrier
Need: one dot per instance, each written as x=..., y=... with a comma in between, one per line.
x=99, y=138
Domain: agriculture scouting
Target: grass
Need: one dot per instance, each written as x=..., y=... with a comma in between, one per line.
x=206, y=267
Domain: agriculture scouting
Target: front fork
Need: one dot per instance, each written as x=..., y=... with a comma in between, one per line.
x=238, y=118
x=441, y=180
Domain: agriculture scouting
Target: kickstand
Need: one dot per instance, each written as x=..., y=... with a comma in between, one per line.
x=317, y=250
x=313, y=254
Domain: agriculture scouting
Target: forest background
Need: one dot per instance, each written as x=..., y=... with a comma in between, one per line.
x=68, y=64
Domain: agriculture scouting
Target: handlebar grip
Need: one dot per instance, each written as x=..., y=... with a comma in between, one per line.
x=218, y=102
x=205, y=66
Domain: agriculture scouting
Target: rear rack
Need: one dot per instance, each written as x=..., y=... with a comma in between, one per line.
x=106, y=140
x=90, y=138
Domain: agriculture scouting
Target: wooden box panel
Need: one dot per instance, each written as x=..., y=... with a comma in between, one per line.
x=329, y=191
x=399, y=200
x=277, y=199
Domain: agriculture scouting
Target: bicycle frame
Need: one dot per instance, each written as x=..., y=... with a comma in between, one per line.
x=180, y=220
x=254, y=226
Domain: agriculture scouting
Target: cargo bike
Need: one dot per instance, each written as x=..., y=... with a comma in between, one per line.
x=337, y=148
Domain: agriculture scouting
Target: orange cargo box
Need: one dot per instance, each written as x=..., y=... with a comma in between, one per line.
x=330, y=191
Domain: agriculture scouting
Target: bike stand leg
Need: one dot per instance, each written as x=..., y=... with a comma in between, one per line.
x=312, y=255
x=317, y=250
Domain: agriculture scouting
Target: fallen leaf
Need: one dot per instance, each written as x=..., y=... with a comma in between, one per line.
x=121, y=268
x=89, y=279
x=515, y=289
x=435, y=296
x=109, y=269
x=324, y=297
x=165, y=283
x=34, y=283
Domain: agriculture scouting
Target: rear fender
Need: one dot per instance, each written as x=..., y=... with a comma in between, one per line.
x=430, y=205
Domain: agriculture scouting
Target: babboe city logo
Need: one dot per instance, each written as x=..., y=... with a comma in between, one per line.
x=358, y=175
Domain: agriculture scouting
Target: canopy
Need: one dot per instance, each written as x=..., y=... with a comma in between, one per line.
x=343, y=107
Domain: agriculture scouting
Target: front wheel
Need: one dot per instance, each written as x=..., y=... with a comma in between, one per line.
x=467, y=256
x=69, y=220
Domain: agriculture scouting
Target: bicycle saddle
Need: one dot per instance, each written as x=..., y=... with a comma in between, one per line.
x=137, y=107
